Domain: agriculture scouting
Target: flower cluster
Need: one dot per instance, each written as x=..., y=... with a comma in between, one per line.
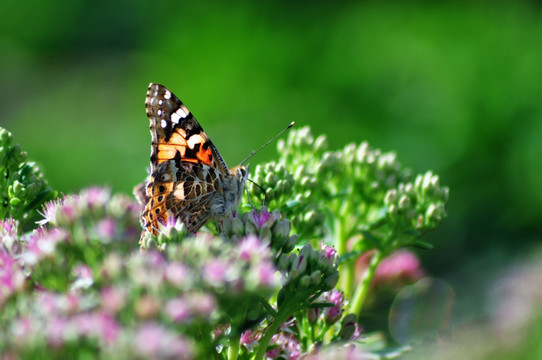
x=261, y=286
x=309, y=272
x=22, y=186
x=359, y=197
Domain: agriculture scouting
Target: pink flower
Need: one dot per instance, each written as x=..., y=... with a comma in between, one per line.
x=95, y=197
x=332, y=314
x=402, y=266
x=178, y=310
x=42, y=244
x=267, y=275
x=83, y=277
x=249, y=339
x=261, y=217
x=157, y=342
x=177, y=274
x=113, y=299
x=201, y=304
x=106, y=228
x=12, y=277
x=216, y=272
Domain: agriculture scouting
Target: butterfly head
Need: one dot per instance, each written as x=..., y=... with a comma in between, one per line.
x=240, y=173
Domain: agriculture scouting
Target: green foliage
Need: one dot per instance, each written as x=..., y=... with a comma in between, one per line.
x=23, y=188
x=357, y=193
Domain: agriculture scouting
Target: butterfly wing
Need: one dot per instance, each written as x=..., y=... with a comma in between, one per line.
x=181, y=190
x=188, y=174
x=175, y=130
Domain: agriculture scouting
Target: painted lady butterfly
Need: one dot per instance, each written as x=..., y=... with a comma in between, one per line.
x=189, y=179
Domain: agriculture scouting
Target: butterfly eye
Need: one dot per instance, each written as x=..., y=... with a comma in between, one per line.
x=243, y=172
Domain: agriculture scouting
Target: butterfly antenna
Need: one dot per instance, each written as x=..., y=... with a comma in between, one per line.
x=267, y=143
x=261, y=188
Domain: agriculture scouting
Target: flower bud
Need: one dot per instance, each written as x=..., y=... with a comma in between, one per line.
x=404, y=203
x=348, y=327
x=391, y=197
x=283, y=262
x=316, y=277
x=331, y=281
x=305, y=281
x=290, y=245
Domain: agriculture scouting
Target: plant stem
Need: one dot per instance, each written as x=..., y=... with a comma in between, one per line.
x=233, y=350
x=340, y=243
x=282, y=315
x=363, y=288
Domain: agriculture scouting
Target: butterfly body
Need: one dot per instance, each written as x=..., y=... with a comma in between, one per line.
x=189, y=180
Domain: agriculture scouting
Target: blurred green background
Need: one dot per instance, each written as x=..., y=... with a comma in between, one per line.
x=455, y=87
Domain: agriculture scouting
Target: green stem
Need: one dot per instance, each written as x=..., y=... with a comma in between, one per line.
x=233, y=350
x=363, y=288
x=282, y=315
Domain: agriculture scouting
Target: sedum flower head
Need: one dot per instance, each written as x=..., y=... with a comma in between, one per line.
x=23, y=188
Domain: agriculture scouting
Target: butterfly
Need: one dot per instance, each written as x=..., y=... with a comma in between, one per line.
x=189, y=180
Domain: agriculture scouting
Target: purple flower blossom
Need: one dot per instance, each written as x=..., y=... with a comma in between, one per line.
x=95, y=197
x=332, y=314
x=106, y=228
x=48, y=213
x=49, y=303
x=287, y=347
x=267, y=275
x=83, y=277
x=56, y=328
x=178, y=310
x=250, y=338
x=250, y=247
x=261, y=217
x=177, y=274
x=329, y=251
x=113, y=299
x=9, y=227
x=201, y=304
x=156, y=342
x=42, y=244
x=96, y=325
x=402, y=266
x=12, y=277
x=217, y=272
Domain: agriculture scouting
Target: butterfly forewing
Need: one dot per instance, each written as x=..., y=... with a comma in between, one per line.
x=189, y=180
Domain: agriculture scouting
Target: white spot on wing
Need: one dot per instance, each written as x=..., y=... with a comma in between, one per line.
x=167, y=95
x=194, y=139
x=179, y=191
x=163, y=123
x=181, y=113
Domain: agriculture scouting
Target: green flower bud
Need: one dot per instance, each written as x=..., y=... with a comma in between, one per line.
x=281, y=229
x=348, y=327
x=283, y=262
x=305, y=281
x=331, y=281
x=390, y=197
x=290, y=245
x=404, y=203
x=316, y=278
x=320, y=144
x=236, y=226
